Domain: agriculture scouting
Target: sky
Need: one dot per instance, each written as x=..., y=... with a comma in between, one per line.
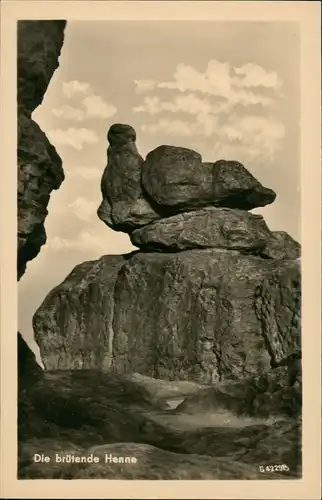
x=229, y=90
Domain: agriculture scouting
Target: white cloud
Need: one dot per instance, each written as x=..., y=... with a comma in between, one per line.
x=204, y=125
x=169, y=127
x=144, y=85
x=74, y=87
x=93, y=106
x=73, y=137
x=67, y=112
x=96, y=107
x=249, y=138
x=253, y=75
x=237, y=85
x=83, y=208
x=88, y=173
x=189, y=104
x=213, y=98
x=215, y=80
x=253, y=129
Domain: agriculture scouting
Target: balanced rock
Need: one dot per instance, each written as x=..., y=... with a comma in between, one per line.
x=189, y=315
x=205, y=228
x=39, y=166
x=123, y=207
x=176, y=179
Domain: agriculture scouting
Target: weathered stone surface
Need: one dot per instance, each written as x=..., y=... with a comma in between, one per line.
x=190, y=315
x=176, y=180
x=206, y=228
x=281, y=246
x=39, y=165
x=123, y=206
x=278, y=307
x=187, y=315
x=39, y=46
x=235, y=187
x=73, y=326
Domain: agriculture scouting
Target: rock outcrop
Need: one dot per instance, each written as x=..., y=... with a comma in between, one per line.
x=123, y=207
x=212, y=295
x=191, y=315
x=39, y=166
x=206, y=228
x=177, y=179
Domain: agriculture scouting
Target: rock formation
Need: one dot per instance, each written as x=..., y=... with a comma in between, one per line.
x=203, y=298
x=176, y=178
x=39, y=166
x=123, y=207
x=39, y=172
x=211, y=296
x=208, y=227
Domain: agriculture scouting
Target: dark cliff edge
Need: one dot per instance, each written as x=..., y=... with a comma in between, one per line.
x=40, y=171
x=39, y=166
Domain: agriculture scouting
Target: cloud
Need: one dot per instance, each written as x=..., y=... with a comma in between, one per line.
x=88, y=173
x=74, y=87
x=220, y=79
x=189, y=104
x=221, y=104
x=83, y=208
x=144, y=85
x=67, y=112
x=250, y=138
x=169, y=127
x=73, y=137
x=253, y=75
x=253, y=129
x=96, y=107
x=90, y=104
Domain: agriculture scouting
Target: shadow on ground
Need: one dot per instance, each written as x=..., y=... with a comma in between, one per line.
x=219, y=432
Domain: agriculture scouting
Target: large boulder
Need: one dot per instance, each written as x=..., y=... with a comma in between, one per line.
x=176, y=180
x=205, y=228
x=191, y=315
x=39, y=166
x=123, y=207
x=73, y=326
